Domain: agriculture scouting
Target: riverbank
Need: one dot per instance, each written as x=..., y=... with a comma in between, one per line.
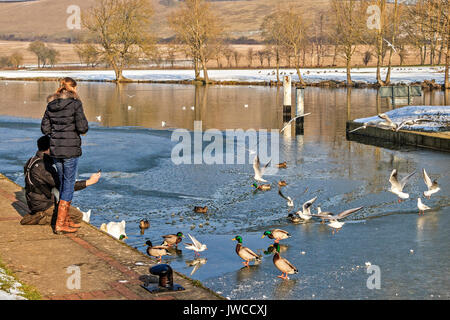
x=109, y=269
x=427, y=77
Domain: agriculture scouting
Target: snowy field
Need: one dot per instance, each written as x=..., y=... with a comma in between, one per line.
x=404, y=75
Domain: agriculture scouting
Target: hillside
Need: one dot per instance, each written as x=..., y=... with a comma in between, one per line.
x=46, y=19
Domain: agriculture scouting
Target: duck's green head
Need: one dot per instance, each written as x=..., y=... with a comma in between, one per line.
x=255, y=185
x=149, y=243
x=266, y=233
x=180, y=234
x=122, y=236
x=238, y=239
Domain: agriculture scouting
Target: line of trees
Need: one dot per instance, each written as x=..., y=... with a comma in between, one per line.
x=119, y=34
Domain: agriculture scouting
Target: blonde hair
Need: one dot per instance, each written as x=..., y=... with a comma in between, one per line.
x=66, y=85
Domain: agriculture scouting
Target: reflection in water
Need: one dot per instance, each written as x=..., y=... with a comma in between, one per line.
x=218, y=107
x=283, y=288
x=196, y=264
x=246, y=273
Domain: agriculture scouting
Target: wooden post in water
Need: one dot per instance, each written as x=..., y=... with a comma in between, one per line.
x=300, y=109
x=287, y=101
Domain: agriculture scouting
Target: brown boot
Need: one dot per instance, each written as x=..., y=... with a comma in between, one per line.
x=70, y=222
x=61, y=226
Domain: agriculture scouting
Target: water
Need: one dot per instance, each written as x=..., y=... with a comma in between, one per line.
x=139, y=181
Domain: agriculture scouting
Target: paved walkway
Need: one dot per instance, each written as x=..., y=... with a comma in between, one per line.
x=107, y=266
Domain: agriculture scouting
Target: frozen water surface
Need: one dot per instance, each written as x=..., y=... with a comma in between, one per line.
x=139, y=181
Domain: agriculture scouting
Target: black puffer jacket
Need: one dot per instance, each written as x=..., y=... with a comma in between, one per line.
x=64, y=121
x=40, y=177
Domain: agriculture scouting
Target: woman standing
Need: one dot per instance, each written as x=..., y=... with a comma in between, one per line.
x=64, y=121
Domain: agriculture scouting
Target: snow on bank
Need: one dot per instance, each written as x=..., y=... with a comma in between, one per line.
x=404, y=75
x=437, y=117
x=9, y=287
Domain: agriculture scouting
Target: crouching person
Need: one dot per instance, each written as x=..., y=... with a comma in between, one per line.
x=41, y=185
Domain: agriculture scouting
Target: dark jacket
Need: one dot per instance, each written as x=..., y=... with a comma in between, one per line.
x=40, y=177
x=64, y=121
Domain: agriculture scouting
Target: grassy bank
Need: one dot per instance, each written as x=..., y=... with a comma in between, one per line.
x=8, y=281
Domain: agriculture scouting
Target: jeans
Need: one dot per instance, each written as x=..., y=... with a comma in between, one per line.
x=67, y=172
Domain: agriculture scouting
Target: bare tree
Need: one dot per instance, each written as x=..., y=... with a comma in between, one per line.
x=39, y=49
x=261, y=57
x=293, y=35
x=16, y=59
x=349, y=23
x=250, y=55
x=121, y=27
x=198, y=28
x=237, y=57
x=88, y=54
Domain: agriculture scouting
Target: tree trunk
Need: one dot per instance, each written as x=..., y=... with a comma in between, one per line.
x=349, y=74
x=205, y=72
x=196, y=69
x=447, y=58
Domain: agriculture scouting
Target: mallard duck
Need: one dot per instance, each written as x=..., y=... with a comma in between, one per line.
x=144, y=224
x=244, y=252
x=115, y=229
x=201, y=209
x=276, y=234
x=263, y=187
x=294, y=218
x=196, y=245
x=156, y=251
x=173, y=239
x=283, y=264
x=433, y=186
x=282, y=165
x=282, y=183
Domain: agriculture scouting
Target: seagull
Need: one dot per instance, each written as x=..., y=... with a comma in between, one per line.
x=130, y=96
x=115, y=229
x=305, y=214
x=290, y=202
x=388, y=123
x=245, y=105
x=364, y=126
x=259, y=172
x=422, y=207
x=163, y=123
x=99, y=118
x=86, y=215
x=397, y=187
x=411, y=123
x=192, y=108
x=183, y=108
x=322, y=215
x=196, y=246
x=433, y=187
x=130, y=107
x=334, y=223
x=390, y=45
x=303, y=115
